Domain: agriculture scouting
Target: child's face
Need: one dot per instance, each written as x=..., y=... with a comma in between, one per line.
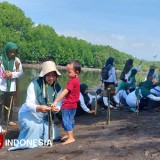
x=71, y=73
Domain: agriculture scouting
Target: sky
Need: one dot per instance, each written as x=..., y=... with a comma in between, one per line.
x=130, y=26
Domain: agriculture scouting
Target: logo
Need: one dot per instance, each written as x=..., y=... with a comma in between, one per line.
x=1, y=140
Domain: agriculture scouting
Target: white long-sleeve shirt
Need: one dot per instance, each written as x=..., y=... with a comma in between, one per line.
x=31, y=100
x=129, y=73
x=121, y=94
x=112, y=75
x=82, y=103
x=105, y=101
x=15, y=74
x=132, y=99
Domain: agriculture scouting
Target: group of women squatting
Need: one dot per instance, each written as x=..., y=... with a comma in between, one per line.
x=127, y=93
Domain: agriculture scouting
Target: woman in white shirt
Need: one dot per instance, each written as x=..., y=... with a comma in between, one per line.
x=33, y=114
x=85, y=101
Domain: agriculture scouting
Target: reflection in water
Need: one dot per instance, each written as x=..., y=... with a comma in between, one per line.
x=91, y=78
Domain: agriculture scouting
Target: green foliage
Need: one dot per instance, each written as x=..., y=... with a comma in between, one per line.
x=40, y=42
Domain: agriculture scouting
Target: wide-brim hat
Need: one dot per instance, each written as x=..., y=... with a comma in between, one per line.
x=48, y=67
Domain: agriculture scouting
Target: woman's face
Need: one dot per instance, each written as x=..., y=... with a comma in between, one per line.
x=12, y=54
x=51, y=77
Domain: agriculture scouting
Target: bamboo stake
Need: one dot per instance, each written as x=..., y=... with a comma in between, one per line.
x=108, y=108
x=96, y=106
x=9, y=111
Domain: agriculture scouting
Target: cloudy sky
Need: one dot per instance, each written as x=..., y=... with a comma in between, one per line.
x=131, y=26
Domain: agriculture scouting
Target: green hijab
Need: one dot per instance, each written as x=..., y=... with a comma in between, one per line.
x=7, y=62
x=125, y=86
x=133, y=73
x=144, y=88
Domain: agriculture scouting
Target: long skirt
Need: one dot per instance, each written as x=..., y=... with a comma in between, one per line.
x=34, y=132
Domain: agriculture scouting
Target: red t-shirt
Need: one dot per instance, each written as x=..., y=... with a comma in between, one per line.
x=71, y=99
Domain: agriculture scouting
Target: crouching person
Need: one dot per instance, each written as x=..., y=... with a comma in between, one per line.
x=86, y=101
x=106, y=96
x=33, y=114
x=141, y=96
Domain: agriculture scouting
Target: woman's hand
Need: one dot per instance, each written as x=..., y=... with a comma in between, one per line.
x=91, y=111
x=43, y=108
x=8, y=74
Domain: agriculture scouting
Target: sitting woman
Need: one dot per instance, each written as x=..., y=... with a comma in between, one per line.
x=122, y=94
x=85, y=102
x=33, y=114
x=108, y=95
x=140, y=96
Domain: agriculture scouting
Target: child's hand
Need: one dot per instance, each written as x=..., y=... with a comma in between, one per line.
x=55, y=108
x=53, y=104
x=92, y=111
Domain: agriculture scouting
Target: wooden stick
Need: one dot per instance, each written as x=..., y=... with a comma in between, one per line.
x=9, y=111
x=96, y=106
x=50, y=126
x=108, y=109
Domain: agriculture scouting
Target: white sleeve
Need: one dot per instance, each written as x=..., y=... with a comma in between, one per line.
x=114, y=74
x=105, y=101
x=31, y=100
x=139, y=68
x=116, y=98
x=91, y=97
x=82, y=104
x=18, y=74
x=151, y=96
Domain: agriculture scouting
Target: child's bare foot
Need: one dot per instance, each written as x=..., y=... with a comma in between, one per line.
x=68, y=141
x=64, y=138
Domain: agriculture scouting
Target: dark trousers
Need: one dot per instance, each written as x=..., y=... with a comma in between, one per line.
x=5, y=101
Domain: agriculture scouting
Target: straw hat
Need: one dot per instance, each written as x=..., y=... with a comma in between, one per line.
x=47, y=67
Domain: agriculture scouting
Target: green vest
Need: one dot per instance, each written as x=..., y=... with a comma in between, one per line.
x=50, y=91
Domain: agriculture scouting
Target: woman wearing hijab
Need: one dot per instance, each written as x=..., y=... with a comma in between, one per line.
x=151, y=74
x=122, y=94
x=10, y=69
x=132, y=80
x=85, y=101
x=106, y=96
x=112, y=80
x=126, y=72
x=141, y=96
x=33, y=114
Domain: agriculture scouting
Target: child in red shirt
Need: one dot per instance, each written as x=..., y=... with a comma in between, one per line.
x=70, y=96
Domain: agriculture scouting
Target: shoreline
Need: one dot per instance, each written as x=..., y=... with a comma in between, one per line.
x=38, y=66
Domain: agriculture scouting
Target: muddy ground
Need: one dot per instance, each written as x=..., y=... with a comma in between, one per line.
x=128, y=137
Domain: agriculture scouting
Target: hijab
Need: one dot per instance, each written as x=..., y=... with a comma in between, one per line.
x=7, y=62
x=126, y=69
x=144, y=89
x=83, y=87
x=109, y=61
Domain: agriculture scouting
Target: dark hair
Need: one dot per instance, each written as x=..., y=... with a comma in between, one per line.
x=76, y=65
